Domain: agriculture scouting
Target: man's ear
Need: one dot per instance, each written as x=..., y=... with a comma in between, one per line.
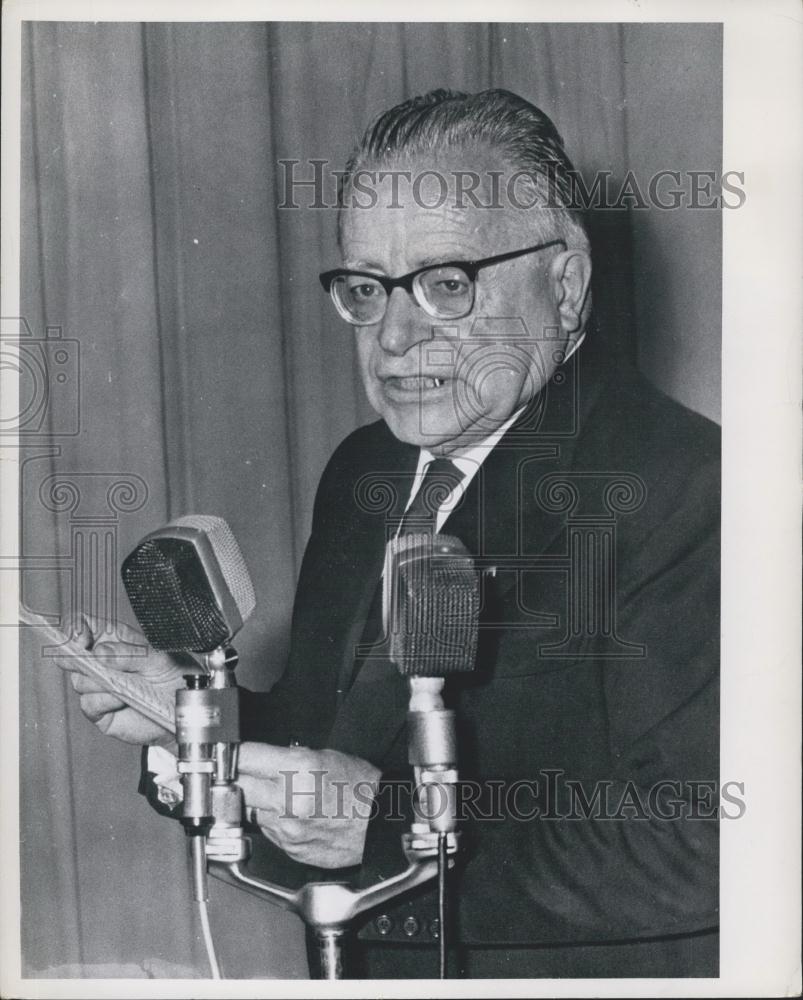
x=571, y=276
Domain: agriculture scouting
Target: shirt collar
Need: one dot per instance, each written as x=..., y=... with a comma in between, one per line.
x=470, y=461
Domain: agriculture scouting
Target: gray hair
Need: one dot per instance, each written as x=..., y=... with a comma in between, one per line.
x=523, y=136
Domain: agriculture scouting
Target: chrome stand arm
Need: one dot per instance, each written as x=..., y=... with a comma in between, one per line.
x=328, y=907
x=327, y=904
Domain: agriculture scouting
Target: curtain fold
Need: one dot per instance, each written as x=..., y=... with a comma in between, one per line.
x=208, y=373
x=87, y=271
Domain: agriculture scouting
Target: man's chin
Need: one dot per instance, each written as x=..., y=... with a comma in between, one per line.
x=419, y=429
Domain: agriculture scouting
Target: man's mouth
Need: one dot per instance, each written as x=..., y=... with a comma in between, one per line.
x=414, y=383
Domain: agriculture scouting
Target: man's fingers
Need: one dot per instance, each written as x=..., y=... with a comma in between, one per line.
x=95, y=706
x=127, y=634
x=86, y=634
x=268, y=818
x=285, y=831
x=93, y=630
x=121, y=656
x=260, y=793
x=84, y=684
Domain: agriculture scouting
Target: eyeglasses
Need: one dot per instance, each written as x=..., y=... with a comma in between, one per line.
x=444, y=291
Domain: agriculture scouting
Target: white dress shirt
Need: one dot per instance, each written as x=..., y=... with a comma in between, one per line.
x=468, y=465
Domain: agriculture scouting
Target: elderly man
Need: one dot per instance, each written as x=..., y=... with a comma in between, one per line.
x=588, y=732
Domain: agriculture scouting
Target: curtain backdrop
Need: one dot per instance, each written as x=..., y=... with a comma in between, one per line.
x=206, y=372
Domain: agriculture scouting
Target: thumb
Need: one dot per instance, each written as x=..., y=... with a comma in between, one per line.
x=86, y=634
x=119, y=656
x=128, y=634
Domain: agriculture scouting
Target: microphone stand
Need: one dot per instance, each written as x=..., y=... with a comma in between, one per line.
x=207, y=732
x=208, y=737
x=432, y=751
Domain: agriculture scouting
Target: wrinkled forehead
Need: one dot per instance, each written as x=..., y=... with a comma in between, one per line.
x=477, y=174
x=452, y=195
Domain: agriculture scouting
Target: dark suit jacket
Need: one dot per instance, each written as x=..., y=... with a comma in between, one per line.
x=596, y=521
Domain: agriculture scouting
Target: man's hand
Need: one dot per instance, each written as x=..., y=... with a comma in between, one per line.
x=314, y=804
x=111, y=715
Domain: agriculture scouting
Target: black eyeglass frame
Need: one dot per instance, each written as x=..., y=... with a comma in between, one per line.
x=406, y=281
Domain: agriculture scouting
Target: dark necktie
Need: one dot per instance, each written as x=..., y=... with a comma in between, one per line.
x=441, y=476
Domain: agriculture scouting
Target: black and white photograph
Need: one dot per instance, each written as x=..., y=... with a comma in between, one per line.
x=383, y=608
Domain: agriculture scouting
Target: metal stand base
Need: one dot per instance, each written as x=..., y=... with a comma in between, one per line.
x=328, y=907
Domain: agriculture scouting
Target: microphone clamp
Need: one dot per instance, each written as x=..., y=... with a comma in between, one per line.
x=208, y=737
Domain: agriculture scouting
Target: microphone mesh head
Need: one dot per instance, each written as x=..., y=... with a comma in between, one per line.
x=229, y=557
x=432, y=605
x=188, y=585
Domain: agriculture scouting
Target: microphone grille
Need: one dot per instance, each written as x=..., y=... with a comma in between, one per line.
x=188, y=585
x=229, y=557
x=432, y=605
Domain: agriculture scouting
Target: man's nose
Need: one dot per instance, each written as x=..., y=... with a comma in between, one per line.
x=404, y=324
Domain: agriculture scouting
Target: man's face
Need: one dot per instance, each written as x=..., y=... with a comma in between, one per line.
x=446, y=385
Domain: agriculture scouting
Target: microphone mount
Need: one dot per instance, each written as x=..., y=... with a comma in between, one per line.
x=328, y=907
x=208, y=737
x=207, y=730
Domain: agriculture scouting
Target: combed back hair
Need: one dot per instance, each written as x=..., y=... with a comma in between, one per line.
x=524, y=138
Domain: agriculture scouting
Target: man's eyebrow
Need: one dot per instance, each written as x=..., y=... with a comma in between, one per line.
x=363, y=265
x=454, y=256
x=430, y=260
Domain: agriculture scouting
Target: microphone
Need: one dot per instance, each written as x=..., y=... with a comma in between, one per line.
x=190, y=591
x=188, y=585
x=431, y=611
x=430, y=605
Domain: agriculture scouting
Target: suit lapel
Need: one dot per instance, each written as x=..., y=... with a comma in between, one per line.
x=371, y=710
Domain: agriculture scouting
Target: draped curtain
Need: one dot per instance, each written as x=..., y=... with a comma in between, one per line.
x=204, y=370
